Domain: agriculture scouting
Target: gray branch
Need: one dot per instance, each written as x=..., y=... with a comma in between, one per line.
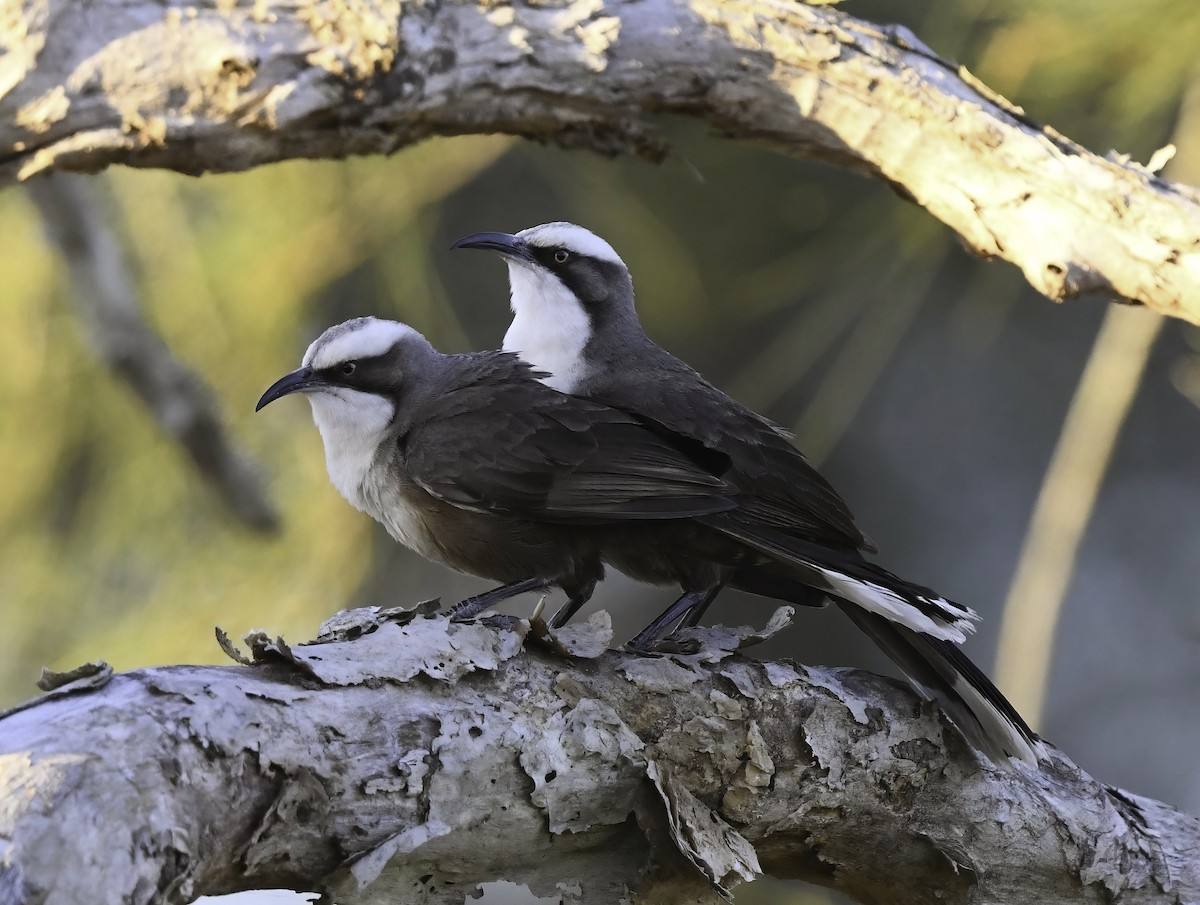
x=227, y=86
x=106, y=297
x=396, y=760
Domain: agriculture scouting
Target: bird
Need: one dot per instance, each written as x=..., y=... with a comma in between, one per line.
x=574, y=319
x=472, y=462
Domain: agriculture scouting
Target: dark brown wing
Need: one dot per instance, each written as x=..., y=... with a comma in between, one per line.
x=789, y=494
x=501, y=441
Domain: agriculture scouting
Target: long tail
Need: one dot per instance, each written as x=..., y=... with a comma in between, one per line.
x=944, y=674
x=916, y=627
x=847, y=576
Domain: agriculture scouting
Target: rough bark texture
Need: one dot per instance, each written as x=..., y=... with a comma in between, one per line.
x=227, y=85
x=400, y=760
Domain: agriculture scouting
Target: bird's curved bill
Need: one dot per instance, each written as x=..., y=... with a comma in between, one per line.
x=509, y=246
x=303, y=380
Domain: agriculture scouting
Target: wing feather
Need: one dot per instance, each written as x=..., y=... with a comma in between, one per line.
x=504, y=442
x=789, y=494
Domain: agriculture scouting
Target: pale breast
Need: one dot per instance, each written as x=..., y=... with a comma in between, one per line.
x=397, y=504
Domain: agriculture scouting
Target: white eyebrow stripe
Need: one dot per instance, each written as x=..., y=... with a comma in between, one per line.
x=364, y=337
x=571, y=237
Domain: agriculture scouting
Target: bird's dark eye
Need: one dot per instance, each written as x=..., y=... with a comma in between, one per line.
x=349, y=368
x=561, y=256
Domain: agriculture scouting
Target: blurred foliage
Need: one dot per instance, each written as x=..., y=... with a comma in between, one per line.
x=793, y=285
x=1108, y=74
x=111, y=545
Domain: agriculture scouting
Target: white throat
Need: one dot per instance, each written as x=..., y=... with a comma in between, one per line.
x=352, y=424
x=549, y=329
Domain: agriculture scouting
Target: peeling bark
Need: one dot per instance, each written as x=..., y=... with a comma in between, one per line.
x=398, y=759
x=224, y=85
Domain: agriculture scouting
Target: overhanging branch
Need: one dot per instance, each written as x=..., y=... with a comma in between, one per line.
x=227, y=86
x=399, y=760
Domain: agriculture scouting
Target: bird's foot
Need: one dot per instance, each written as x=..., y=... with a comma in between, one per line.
x=671, y=644
x=466, y=610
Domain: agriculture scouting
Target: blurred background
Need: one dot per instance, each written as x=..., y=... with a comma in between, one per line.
x=931, y=387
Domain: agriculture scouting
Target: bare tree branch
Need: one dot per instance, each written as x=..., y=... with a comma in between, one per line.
x=227, y=86
x=106, y=298
x=397, y=760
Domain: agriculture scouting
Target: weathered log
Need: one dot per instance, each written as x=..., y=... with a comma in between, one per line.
x=398, y=760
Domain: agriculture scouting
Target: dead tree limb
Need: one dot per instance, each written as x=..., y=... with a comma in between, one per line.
x=106, y=297
x=207, y=86
x=410, y=760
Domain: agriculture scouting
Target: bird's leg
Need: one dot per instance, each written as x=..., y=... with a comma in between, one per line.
x=683, y=607
x=576, y=599
x=695, y=614
x=472, y=606
x=692, y=618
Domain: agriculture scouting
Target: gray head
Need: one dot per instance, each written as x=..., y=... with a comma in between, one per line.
x=569, y=288
x=356, y=375
x=366, y=356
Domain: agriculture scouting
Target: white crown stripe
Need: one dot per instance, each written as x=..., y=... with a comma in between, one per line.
x=572, y=238
x=365, y=337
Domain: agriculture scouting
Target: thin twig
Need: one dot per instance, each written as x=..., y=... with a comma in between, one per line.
x=1065, y=503
x=106, y=297
x=1072, y=482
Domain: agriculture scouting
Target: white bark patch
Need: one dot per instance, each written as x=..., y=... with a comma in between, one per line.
x=354, y=37
x=781, y=674
x=745, y=677
x=826, y=679
x=584, y=640
x=659, y=675
x=589, y=34
x=686, y=652
x=437, y=648
x=572, y=754
x=367, y=869
x=725, y=706
x=43, y=112
x=716, y=848
x=411, y=770
x=23, y=33
x=213, y=65
x=754, y=775
x=717, y=642
x=23, y=779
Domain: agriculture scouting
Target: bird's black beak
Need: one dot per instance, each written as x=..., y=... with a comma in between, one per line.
x=503, y=244
x=296, y=382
